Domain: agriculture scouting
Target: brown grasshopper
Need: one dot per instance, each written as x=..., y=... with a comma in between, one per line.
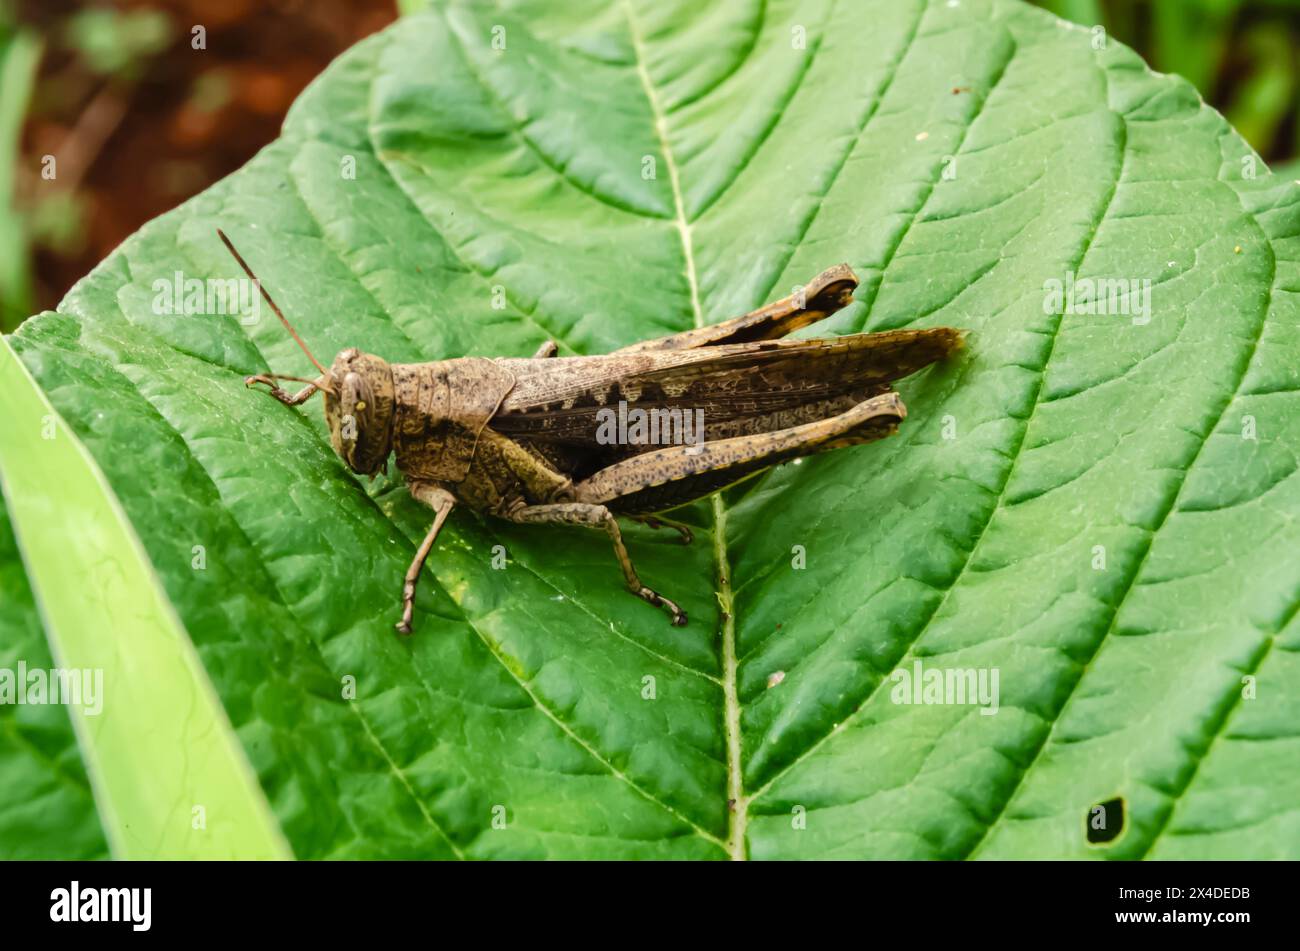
x=521, y=438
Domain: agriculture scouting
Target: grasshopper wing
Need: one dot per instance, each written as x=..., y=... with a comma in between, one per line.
x=733, y=389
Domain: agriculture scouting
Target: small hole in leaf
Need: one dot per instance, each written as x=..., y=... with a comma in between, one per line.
x=1105, y=821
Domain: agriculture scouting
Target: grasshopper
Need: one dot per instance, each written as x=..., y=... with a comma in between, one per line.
x=520, y=439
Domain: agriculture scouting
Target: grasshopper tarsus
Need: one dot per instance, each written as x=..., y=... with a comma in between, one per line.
x=676, y=616
x=284, y=397
x=271, y=388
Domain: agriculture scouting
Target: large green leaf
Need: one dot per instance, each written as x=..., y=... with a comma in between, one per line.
x=1100, y=509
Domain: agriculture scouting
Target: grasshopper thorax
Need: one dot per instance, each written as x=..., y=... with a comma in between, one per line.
x=359, y=411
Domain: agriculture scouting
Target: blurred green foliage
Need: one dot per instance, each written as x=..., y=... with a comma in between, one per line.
x=113, y=46
x=19, y=56
x=116, y=42
x=1240, y=54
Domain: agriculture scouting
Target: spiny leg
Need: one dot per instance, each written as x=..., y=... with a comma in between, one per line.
x=441, y=501
x=647, y=470
x=580, y=513
x=661, y=522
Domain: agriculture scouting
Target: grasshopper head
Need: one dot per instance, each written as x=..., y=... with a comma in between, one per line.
x=360, y=410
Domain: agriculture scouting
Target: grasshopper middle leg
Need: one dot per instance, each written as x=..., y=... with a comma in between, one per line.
x=658, y=521
x=441, y=501
x=582, y=513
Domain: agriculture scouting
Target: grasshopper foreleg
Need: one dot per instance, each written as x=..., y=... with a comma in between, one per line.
x=441, y=501
x=274, y=389
x=580, y=513
x=545, y=350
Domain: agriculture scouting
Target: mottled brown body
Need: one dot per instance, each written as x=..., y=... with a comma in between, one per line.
x=520, y=438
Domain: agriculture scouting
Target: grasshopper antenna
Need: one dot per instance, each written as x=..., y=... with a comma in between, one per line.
x=284, y=320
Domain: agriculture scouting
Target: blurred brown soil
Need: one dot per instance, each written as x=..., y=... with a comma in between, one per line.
x=138, y=144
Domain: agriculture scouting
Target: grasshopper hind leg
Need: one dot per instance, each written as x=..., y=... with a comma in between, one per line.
x=597, y=516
